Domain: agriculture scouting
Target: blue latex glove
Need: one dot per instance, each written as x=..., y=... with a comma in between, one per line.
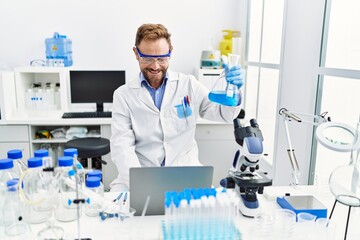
x=234, y=75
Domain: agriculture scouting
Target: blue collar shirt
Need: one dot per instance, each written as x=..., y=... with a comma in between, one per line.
x=156, y=94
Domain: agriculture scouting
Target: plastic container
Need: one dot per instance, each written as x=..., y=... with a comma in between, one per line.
x=67, y=210
x=94, y=207
x=59, y=50
x=19, y=166
x=226, y=42
x=14, y=221
x=39, y=192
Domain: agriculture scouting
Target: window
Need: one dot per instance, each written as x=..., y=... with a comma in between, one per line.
x=339, y=77
x=264, y=41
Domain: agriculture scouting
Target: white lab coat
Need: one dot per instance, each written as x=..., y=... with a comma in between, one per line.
x=142, y=135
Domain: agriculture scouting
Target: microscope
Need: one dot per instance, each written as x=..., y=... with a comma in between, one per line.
x=244, y=176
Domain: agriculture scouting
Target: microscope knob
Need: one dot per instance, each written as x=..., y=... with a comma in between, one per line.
x=227, y=182
x=243, y=167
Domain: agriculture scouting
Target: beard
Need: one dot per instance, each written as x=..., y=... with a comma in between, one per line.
x=154, y=76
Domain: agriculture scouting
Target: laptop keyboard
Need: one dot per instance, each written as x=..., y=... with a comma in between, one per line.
x=87, y=115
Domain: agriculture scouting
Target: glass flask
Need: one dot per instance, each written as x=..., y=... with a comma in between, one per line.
x=344, y=181
x=228, y=95
x=345, y=184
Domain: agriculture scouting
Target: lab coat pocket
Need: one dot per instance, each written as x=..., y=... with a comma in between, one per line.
x=183, y=111
x=183, y=116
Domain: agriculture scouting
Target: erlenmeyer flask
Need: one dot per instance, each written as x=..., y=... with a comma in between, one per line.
x=344, y=181
x=228, y=95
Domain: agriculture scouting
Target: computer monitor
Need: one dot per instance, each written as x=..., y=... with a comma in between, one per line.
x=95, y=86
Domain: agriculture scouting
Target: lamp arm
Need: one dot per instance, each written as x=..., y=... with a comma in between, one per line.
x=293, y=160
x=288, y=116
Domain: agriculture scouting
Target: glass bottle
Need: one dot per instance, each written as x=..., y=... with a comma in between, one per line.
x=6, y=173
x=67, y=210
x=19, y=166
x=94, y=207
x=13, y=211
x=38, y=191
x=73, y=152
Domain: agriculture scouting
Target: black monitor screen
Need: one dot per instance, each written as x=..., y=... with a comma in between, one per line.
x=94, y=86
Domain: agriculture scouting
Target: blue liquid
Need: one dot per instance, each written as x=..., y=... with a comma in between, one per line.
x=221, y=98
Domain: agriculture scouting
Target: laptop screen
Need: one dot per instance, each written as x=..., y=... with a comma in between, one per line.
x=155, y=181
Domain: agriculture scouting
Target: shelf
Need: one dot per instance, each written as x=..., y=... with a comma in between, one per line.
x=54, y=140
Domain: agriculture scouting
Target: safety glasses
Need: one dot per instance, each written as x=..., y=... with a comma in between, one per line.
x=149, y=59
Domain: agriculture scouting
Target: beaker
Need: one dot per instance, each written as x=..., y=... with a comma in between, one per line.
x=224, y=92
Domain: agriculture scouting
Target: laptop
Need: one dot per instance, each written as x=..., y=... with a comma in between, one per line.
x=155, y=181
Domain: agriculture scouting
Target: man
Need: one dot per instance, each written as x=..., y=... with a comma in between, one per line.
x=154, y=116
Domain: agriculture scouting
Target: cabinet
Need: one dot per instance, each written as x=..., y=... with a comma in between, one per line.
x=22, y=100
x=14, y=137
x=56, y=146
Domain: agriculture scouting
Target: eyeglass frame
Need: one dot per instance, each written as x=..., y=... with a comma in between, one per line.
x=141, y=55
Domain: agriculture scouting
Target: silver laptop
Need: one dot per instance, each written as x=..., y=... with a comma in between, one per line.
x=155, y=181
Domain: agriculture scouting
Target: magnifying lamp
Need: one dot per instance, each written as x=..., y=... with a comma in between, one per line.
x=344, y=180
x=338, y=137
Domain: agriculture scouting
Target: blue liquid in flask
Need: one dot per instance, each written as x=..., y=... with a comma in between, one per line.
x=220, y=97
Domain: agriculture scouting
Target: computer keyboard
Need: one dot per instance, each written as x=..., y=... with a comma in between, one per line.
x=86, y=115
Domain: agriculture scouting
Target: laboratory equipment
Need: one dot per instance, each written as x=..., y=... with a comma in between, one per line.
x=210, y=59
x=225, y=45
x=344, y=180
x=308, y=204
x=288, y=116
x=16, y=155
x=66, y=210
x=93, y=208
x=244, y=175
x=50, y=184
x=38, y=191
x=200, y=213
x=73, y=152
x=59, y=51
x=231, y=96
x=6, y=173
x=13, y=211
x=95, y=173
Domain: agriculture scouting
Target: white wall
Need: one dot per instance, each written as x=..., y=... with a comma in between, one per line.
x=103, y=31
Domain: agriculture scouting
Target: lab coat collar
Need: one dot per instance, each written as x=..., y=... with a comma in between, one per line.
x=145, y=97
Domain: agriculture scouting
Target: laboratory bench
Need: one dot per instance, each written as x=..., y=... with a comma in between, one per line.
x=149, y=227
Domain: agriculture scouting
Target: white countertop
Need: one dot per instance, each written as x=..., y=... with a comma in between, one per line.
x=149, y=227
